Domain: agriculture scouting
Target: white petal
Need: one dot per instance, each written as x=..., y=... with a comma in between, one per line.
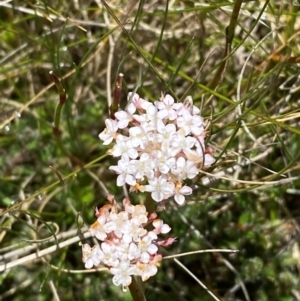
x=157, y=196
x=186, y=190
x=120, y=180
x=179, y=198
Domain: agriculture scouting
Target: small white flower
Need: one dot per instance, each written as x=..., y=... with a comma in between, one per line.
x=133, y=252
x=109, y=132
x=125, y=172
x=98, y=228
x=127, y=251
x=179, y=108
x=167, y=131
x=91, y=256
x=161, y=189
x=138, y=136
x=143, y=167
x=151, y=117
x=122, y=273
x=124, y=148
x=132, y=231
x=181, y=143
x=117, y=221
x=146, y=247
x=185, y=169
x=146, y=270
x=166, y=107
x=125, y=117
x=179, y=196
x=140, y=214
x=160, y=227
x=109, y=254
x=191, y=124
x=162, y=161
x=134, y=98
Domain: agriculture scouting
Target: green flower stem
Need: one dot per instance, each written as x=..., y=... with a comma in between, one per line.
x=136, y=290
x=136, y=287
x=219, y=75
x=150, y=204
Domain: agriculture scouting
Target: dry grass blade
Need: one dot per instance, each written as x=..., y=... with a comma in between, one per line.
x=239, y=62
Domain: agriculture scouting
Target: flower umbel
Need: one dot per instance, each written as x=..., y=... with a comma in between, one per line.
x=127, y=248
x=159, y=144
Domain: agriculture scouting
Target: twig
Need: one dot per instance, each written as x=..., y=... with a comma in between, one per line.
x=195, y=278
x=44, y=252
x=225, y=261
x=200, y=251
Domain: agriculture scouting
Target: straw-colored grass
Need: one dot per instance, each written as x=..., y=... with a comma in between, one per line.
x=245, y=80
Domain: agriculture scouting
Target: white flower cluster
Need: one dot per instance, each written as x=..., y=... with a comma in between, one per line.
x=127, y=248
x=161, y=144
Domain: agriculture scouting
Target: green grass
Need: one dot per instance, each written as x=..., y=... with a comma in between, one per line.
x=248, y=90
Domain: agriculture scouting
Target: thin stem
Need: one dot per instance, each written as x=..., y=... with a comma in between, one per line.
x=150, y=204
x=57, y=115
x=136, y=286
x=62, y=100
x=136, y=290
x=117, y=96
x=219, y=75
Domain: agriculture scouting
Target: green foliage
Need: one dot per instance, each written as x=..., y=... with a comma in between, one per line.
x=50, y=184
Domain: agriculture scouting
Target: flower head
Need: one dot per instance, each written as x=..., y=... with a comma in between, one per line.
x=126, y=247
x=160, y=146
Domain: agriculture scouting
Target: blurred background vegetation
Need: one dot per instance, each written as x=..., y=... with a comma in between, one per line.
x=248, y=88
